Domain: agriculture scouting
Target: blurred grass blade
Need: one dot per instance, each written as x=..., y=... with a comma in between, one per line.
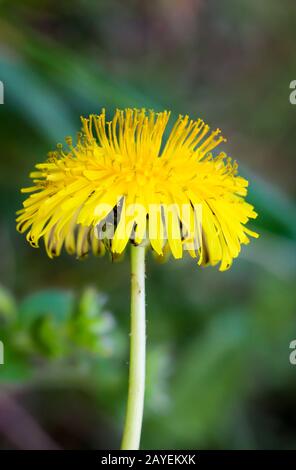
x=30, y=96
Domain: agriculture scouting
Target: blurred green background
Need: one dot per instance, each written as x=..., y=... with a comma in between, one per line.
x=219, y=374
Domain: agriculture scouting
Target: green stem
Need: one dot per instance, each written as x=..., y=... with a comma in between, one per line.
x=135, y=403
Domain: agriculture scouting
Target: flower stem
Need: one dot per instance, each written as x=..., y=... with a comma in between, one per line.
x=135, y=403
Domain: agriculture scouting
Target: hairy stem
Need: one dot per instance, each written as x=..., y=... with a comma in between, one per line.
x=136, y=390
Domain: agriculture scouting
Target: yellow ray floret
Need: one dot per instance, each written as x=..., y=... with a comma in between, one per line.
x=123, y=182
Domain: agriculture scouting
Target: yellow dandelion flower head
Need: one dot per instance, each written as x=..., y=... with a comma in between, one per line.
x=123, y=182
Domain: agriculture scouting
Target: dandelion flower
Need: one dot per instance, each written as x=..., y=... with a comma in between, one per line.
x=124, y=183
x=123, y=167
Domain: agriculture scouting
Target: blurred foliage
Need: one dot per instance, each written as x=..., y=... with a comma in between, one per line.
x=218, y=371
x=53, y=325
